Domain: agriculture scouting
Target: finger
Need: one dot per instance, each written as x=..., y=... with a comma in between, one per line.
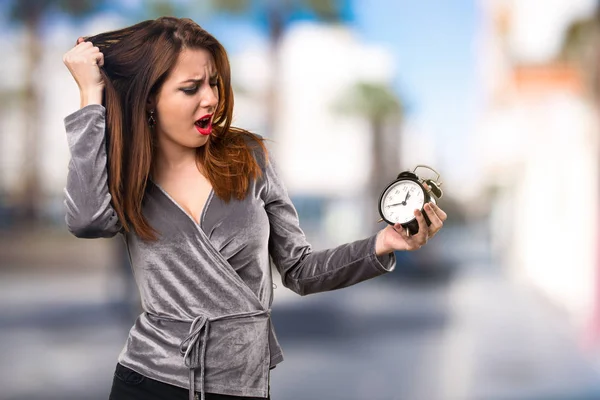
x=398, y=228
x=100, y=60
x=403, y=232
x=440, y=213
x=84, y=45
x=79, y=40
x=92, y=53
x=421, y=236
x=97, y=56
x=81, y=48
x=436, y=222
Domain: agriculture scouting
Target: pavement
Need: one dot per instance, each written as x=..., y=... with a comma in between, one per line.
x=477, y=338
x=473, y=336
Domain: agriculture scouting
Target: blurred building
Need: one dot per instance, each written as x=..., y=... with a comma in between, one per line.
x=539, y=151
x=58, y=97
x=323, y=155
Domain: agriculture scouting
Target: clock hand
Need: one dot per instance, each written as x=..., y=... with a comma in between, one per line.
x=395, y=204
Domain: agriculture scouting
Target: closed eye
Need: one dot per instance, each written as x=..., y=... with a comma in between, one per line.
x=190, y=90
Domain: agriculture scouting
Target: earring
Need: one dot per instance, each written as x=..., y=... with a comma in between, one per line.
x=151, y=119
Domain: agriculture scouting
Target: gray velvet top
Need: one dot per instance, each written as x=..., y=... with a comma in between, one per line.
x=206, y=289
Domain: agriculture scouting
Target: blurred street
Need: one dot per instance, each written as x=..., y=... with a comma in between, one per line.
x=472, y=336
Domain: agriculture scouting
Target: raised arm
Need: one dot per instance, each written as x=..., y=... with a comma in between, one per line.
x=306, y=271
x=89, y=213
x=87, y=199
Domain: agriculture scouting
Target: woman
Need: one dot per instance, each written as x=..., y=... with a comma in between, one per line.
x=201, y=209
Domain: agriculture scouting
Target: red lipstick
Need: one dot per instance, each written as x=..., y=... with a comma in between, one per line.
x=204, y=125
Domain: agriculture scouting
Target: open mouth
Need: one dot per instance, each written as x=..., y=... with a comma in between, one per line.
x=203, y=125
x=203, y=122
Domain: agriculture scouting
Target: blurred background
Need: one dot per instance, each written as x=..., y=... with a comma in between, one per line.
x=502, y=97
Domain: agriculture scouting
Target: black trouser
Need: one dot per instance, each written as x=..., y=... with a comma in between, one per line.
x=130, y=385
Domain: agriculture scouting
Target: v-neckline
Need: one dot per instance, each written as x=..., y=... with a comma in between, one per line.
x=172, y=200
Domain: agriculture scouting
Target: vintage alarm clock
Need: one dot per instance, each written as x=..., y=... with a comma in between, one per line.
x=408, y=192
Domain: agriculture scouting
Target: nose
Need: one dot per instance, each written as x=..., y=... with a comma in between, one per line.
x=210, y=99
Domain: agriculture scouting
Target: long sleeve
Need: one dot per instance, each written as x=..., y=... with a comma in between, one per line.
x=305, y=271
x=89, y=213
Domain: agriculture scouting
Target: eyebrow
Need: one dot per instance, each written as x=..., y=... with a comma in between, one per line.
x=213, y=77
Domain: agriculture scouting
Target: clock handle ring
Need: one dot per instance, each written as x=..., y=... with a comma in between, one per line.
x=437, y=180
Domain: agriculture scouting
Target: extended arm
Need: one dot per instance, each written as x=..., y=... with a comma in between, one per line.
x=305, y=271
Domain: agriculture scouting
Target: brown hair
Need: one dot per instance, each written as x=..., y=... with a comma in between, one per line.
x=137, y=60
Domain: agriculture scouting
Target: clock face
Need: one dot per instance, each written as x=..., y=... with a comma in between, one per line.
x=400, y=200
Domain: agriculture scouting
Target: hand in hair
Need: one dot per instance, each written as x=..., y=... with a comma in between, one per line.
x=83, y=61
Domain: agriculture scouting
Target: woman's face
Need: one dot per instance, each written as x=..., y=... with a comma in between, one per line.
x=186, y=103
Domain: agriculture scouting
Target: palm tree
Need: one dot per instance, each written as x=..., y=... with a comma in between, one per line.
x=378, y=105
x=30, y=15
x=158, y=8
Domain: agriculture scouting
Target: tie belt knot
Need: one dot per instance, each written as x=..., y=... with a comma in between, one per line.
x=193, y=349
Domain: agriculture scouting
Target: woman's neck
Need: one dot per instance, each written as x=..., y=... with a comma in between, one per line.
x=171, y=160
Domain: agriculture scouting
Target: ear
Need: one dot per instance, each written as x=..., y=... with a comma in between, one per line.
x=151, y=103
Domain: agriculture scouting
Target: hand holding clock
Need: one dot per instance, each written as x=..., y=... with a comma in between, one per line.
x=410, y=226
x=394, y=237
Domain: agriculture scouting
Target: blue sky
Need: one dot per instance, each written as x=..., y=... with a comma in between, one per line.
x=432, y=45
x=431, y=42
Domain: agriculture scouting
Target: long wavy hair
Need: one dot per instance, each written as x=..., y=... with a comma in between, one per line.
x=137, y=61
